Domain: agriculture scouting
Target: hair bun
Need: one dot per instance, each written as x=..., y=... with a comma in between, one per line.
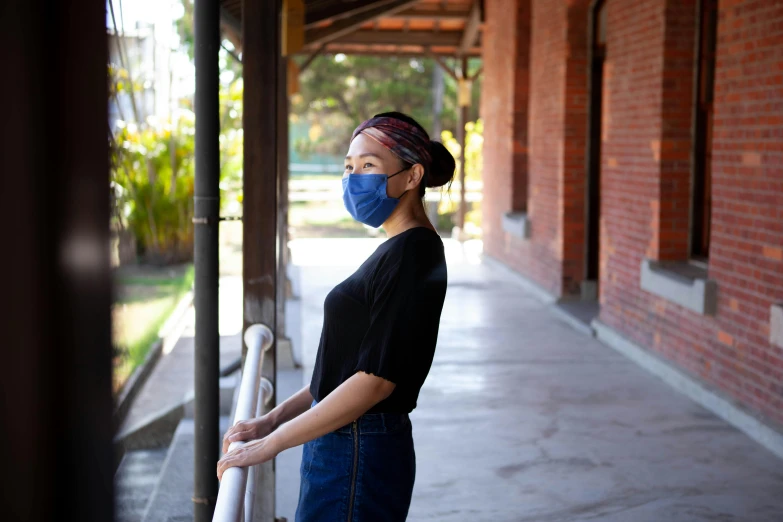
x=442, y=167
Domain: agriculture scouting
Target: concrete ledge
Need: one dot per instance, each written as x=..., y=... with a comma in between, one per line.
x=539, y=292
x=698, y=392
x=776, y=324
x=517, y=224
x=680, y=283
x=157, y=429
x=573, y=321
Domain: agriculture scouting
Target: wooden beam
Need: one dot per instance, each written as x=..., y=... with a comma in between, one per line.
x=310, y=58
x=232, y=54
x=338, y=11
x=477, y=73
x=443, y=65
x=431, y=14
x=470, y=35
x=408, y=53
x=348, y=25
x=423, y=38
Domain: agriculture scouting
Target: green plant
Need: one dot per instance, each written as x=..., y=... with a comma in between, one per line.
x=153, y=176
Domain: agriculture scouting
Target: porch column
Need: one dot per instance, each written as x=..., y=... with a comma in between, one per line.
x=260, y=58
x=56, y=437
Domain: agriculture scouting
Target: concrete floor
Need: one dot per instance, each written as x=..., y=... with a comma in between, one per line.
x=523, y=418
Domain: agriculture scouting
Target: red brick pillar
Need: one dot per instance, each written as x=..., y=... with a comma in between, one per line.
x=504, y=110
x=574, y=175
x=672, y=151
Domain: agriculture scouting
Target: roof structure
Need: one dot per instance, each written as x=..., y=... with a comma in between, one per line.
x=381, y=27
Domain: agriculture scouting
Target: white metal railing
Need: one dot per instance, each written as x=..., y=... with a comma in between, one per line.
x=237, y=489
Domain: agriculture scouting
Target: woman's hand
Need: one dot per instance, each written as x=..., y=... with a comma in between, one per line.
x=252, y=453
x=252, y=429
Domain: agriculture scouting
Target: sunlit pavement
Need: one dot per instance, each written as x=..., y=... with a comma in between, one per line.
x=523, y=418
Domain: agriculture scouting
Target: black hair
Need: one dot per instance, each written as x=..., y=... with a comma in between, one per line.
x=441, y=171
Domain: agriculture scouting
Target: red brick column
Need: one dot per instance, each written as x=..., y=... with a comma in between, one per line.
x=504, y=110
x=574, y=176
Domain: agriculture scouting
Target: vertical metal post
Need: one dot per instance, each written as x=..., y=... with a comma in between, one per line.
x=206, y=209
x=55, y=378
x=461, y=135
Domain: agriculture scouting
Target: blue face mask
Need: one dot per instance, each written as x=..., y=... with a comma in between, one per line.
x=365, y=198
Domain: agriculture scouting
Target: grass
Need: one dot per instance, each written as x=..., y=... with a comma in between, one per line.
x=146, y=296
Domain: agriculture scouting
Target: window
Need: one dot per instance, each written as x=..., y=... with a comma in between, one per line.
x=702, y=166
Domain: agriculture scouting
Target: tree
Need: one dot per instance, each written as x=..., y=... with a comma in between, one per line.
x=339, y=92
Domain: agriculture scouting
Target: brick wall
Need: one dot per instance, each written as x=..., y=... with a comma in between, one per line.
x=646, y=173
x=497, y=96
x=556, y=127
x=643, y=182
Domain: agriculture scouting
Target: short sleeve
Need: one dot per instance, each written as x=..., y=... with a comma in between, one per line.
x=387, y=344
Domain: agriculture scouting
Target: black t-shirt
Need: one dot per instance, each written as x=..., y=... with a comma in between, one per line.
x=384, y=319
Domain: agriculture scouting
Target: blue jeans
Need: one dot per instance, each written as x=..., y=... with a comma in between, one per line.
x=362, y=472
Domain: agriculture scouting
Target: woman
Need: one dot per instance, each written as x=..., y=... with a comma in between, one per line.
x=377, y=344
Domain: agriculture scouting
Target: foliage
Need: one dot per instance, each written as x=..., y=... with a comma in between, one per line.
x=153, y=165
x=474, y=141
x=153, y=177
x=338, y=92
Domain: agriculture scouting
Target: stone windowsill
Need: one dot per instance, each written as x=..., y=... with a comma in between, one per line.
x=776, y=324
x=517, y=224
x=681, y=283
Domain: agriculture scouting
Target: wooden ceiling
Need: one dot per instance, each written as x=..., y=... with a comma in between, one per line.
x=381, y=27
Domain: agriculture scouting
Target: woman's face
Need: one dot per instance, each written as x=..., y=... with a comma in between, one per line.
x=367, y=156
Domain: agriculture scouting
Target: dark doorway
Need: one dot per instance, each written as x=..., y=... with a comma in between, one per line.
x=702, y=156
x=598, y=55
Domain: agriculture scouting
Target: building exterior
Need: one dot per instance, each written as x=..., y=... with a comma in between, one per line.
x=634, y=159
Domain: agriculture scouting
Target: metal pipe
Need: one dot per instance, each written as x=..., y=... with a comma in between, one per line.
x=206, y=210
x=235, y=498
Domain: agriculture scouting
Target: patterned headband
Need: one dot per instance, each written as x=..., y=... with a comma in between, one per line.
x=406, y=141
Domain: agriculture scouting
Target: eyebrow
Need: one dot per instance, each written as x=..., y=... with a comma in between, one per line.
x=365, y=155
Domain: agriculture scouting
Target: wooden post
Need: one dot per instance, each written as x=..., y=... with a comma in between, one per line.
x=260, y=58
x=282, y=204
x=56, y=438
x=464, y=106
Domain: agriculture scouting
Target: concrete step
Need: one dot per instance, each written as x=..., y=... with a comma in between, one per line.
x=135, y=481
x=171, y=498
x=157, y=429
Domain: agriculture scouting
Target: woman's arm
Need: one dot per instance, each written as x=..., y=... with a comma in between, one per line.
x=346, y=403
x=292, y=407
x=343, y=405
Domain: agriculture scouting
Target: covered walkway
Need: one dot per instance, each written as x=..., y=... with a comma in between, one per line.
x=525, y=418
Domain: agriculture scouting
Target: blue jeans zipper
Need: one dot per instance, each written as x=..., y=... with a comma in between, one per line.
x=355, y=468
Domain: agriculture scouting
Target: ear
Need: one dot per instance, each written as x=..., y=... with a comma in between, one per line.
x=416, y=175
